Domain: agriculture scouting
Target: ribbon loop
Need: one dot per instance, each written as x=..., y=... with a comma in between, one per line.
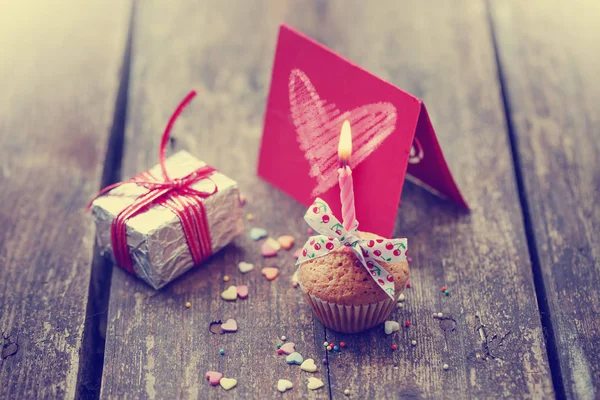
x=370, y=252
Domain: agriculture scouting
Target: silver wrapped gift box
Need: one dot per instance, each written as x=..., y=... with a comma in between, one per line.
x=155, y=238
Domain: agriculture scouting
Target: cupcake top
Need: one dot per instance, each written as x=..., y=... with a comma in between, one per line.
x=339, y=277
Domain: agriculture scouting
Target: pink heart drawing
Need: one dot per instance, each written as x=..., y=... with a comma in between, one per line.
x=318, y=125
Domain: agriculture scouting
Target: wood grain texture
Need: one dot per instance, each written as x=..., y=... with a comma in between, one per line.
x=155, y=347
x=549, y=55
x=59, y=74
x=491, y=337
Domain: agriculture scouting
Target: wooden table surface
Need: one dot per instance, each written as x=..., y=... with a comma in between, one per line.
x=513, y=91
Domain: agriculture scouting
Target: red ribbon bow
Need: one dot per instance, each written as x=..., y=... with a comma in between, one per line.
x=176, y=194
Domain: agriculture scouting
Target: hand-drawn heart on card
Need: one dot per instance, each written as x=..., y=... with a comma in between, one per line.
x=313, y=91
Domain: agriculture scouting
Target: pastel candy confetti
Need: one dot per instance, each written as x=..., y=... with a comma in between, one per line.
x=315, y=383
x=245, y=267
x=288, y=348
x=273, y=243
x=309, y=365
x=257, y=233
x=228, y=383
x=267, y=250
x=230, y=294
x=242, y=291
x=283, y=385
x=391, y=326
x=297, y=253
x=214, y=377
x=286, y=241
x=229, y=326
x=294, y=358
x=270, y=273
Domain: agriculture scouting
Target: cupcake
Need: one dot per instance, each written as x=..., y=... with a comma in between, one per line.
x=342, y=293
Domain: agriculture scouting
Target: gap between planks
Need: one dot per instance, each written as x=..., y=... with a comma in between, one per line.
x=538, y=279
x=89, y=379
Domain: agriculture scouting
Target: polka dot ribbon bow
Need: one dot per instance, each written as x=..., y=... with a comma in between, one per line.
x=369, y=252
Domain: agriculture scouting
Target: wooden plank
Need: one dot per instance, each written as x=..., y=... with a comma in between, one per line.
x=59, y=74
x=155, y=346
x=490, y=334
x=491, y=337
x=550, y=62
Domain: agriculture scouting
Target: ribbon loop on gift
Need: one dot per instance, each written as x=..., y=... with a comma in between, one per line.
x=370, y=252
x=176, y=194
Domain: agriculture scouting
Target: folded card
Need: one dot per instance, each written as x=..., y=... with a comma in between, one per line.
x=313, y=91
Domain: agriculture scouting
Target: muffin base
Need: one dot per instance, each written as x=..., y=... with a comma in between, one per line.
x=351, y=319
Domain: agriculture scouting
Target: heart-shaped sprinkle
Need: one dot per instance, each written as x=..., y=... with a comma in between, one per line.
x=257, y=233
x=214, y=377
x=228, y=383
x=230, y=294
x=270, y=272
x=229, y=326
x=288, y=348
x=267, y=251
x=286, y=241
x=294, y=358
x=308, y=365
x=245, y=267
x=273, y=243
x=391, y=326
x=242, y=291
x=283, y=385
x=314, y=383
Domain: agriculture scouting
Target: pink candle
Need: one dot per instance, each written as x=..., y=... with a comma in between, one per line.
x=345, y=178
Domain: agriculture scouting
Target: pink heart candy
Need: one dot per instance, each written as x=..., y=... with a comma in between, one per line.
x=288, y=348
x=214, y=377
x=267, y=250
x=229, y=326
x=242, y=291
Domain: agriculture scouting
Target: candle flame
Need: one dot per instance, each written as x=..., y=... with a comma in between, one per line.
x=345, y=145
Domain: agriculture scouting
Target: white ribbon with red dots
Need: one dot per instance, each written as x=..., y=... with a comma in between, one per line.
x=369, y=252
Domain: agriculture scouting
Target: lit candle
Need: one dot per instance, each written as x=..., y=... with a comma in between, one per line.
x=345, y=178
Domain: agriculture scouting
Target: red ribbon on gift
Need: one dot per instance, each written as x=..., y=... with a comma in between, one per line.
x=176, y=194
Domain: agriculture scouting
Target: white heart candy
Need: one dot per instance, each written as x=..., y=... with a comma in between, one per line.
x=283, y=385
x=245, y=267
x=308, y=365
x=314, y=383
x=391, y=326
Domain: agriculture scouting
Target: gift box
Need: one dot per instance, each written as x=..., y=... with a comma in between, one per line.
x=168, y=224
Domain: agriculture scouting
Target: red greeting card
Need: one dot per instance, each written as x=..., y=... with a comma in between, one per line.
x=313, y=90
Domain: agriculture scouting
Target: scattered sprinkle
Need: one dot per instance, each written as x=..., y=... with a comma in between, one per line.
x=226, y=278
x=309, y=365
x=294, y=358
x=270, y=273
x=257, y=233
x=314, y=383
x=310, y=231
x=229, y=326
x=325, y=344
x=228, y=383
x=447, y=292
x=394, y=347
x=342, y=344
x=444, y=288
x=245, y=267
x=295, y=284
x=242, y=291
x=402, y=297
x=283, y=385
x=249, y=216
x=273, y=243
x=408, y=284
x=286, y=241
x=222, y=352
x=230, y=294
x=280, y=352
x=278, y=345
x=329, y=348
x=407, y=323
x=288, y=348
x=283, y=338
x=347, y=392
x=267, y=250
x=399, y=305
x=409, y=259
x=214, y=377
x=324, y=361
x=336, y=348
x=440, y=315
x=188, y=304
x=414, y=342
x=446, y=366
x=242, y=199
